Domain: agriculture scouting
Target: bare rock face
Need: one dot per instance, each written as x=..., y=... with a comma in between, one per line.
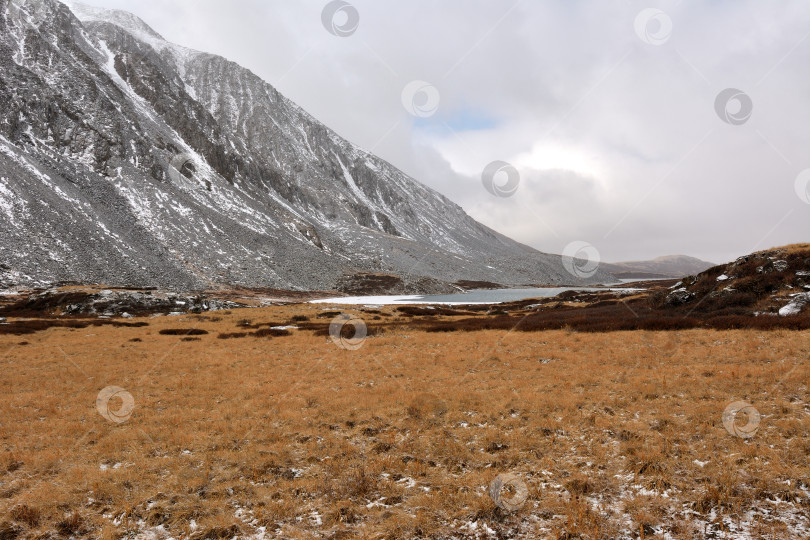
x=128, y=160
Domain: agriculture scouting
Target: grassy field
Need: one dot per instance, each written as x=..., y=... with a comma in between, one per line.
x=237, y=429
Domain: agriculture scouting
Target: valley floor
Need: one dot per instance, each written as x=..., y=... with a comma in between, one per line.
x=258, y=424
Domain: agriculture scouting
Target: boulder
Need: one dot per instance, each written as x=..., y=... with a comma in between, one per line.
x=678, y=297
x=796, y=305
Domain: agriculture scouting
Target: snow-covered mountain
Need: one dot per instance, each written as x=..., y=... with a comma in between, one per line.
x=128, y=160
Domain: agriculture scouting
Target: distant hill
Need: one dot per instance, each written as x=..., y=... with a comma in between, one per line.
x=661, y=267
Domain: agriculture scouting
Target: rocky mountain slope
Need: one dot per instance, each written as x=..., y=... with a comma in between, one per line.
x=128, y=160
x=666, y=266
x=771, y=282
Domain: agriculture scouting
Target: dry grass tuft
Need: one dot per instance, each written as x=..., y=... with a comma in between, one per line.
x=26, y=514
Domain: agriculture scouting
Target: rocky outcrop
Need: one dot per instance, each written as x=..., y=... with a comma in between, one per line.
x=768, y=282
x=112, y=303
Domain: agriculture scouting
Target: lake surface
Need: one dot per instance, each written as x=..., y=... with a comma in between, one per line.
x=494, y=296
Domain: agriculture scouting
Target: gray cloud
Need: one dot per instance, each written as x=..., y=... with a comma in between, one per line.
x=617, y=140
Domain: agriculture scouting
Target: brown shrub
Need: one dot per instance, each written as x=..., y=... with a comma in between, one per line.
x=19, y=328
x=183, y=332
x=415, y=311
x=271, y=332
x=232, y=335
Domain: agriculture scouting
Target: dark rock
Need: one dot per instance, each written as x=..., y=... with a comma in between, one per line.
x=678, y=297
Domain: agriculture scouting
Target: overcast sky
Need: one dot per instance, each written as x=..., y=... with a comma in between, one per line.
x=608, y=111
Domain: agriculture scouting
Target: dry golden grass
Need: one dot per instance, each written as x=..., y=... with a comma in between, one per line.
x=616, y=435
x=788, y=249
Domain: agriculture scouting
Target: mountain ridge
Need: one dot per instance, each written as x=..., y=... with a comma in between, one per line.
x=135, y=161
x=663, y=266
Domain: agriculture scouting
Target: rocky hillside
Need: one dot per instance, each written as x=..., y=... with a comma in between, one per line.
x=128, y=160
x=771, y=282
